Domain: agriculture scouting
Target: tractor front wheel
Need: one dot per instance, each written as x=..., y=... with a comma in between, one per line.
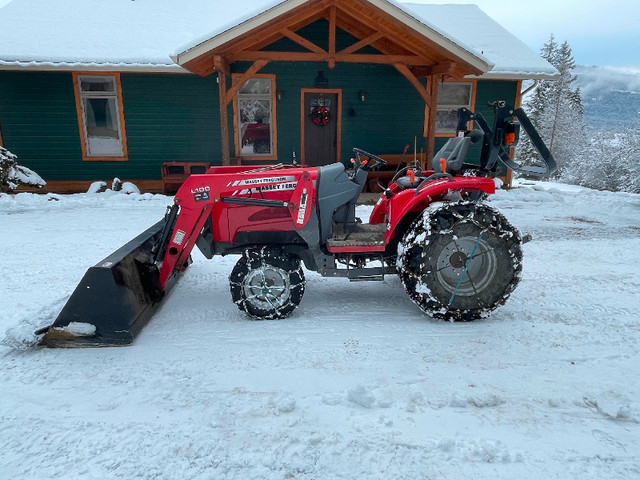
x=460, y=261
x=267, y=284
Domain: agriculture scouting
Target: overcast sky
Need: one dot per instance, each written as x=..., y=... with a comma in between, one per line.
x=600, y=32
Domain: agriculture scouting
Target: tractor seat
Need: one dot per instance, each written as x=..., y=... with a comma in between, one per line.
x=455, y=151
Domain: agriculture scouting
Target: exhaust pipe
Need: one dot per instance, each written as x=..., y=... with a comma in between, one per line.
x=115, y=299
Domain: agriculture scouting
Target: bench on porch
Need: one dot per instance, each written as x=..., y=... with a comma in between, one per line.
x=175, y=173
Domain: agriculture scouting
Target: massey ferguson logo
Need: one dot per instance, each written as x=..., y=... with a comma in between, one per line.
x=258, y=181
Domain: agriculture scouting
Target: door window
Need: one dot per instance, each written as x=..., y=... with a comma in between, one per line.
x=255, y=112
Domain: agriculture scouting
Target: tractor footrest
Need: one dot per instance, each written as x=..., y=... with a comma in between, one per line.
x=366, y=274
x=360, y=237
x=367, y=278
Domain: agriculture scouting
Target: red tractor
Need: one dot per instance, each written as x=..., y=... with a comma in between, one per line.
x=457, y=257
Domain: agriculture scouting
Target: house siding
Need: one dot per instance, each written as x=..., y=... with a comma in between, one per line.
x=170, y=118
x=167, y=118
x=391, y=115
x=39, y=122
x=176, y=117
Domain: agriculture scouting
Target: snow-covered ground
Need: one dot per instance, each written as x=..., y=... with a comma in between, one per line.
x=357, y=384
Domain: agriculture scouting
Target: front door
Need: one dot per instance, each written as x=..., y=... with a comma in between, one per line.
x=321, y=119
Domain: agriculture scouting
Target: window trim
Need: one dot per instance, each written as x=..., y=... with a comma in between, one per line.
x=473, y=84
x=274, y=123
x=81, y=123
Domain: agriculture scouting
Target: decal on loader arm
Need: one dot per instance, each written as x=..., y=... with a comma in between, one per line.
x=301, y=202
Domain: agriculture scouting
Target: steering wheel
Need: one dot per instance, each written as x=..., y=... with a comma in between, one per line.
x=372, y=161
x=416, y=168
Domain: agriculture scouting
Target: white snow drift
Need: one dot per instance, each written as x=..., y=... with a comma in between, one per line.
x=357, y=384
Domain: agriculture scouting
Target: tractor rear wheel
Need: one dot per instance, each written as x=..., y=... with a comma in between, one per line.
x=460, y=261
x=267, y=283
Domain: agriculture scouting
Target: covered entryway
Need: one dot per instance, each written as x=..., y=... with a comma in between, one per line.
x=330, y=32
x=320, y=118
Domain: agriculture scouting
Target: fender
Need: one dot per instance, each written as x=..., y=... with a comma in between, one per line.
x=403, y=202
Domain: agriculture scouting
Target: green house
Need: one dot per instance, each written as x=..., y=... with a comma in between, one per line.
x=93, y=90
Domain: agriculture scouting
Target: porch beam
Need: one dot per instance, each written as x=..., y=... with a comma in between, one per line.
x=300, y=17
x=326, y=57
x=433, y=83
x=332, y=36
x=422, y=90
x=221, y=65
x=362, y=43
x=302, y=41
x=391, y=28
x=251, y=71
x=224, y=119
x=447, y=69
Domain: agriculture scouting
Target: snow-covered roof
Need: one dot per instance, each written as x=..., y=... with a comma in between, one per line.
x=110, y=34
x=511, y=57
x=219, y=36
x=142, y=35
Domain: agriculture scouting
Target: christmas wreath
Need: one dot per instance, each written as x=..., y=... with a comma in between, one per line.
x=320, y=116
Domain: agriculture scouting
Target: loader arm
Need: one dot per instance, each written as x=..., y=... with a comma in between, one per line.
x=212, y=195
x=504, y=134
x=181, y=237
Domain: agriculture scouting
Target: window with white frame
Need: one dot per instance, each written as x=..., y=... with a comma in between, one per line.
x=255, y=117
x=451, y=97
x=100, y=104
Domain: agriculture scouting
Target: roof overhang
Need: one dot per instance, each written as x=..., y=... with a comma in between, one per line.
x=491, y=75
x=46, y=66
x=424, y=44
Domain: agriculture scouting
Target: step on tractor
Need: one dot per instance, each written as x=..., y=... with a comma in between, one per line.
x=457, y=257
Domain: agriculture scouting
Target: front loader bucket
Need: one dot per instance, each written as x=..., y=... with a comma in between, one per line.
x=114, y=299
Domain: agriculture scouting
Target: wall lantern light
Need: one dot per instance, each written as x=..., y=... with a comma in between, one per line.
x=362, y=95
x=321, y=81
x=279, y=94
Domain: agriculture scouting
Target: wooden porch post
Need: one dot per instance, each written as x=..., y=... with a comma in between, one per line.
x=223, y=70
x=432, y=91
x=430, y=97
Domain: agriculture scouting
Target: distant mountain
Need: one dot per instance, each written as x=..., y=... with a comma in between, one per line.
x=611, y=97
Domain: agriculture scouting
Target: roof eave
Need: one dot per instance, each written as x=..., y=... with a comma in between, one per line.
x=48, y=66
x=206, y=46
x=516, y=76
x=476, y=61
x=464, y=53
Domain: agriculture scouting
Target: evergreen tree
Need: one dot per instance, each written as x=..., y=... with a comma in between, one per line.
x=555, y=109
x=12, y=174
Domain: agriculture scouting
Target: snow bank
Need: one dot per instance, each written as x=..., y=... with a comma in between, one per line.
x=357, y=384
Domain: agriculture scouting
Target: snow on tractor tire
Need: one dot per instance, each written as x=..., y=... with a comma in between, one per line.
x=460, y=261
x=267, y=284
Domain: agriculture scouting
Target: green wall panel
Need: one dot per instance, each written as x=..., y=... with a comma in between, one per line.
x=39, y=122
x=170, y=118
x=167, y=118
x=176, y=117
